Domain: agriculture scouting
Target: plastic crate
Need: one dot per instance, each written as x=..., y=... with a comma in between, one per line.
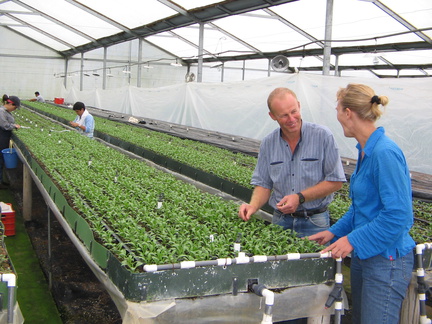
x=8, y=219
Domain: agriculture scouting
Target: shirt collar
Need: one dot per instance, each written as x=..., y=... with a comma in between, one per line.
x=302, y=130
x=372, y=140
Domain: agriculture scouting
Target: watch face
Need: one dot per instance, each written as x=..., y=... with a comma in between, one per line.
x=301, y=198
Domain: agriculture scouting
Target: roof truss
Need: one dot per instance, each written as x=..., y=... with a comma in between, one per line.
x=208, y=15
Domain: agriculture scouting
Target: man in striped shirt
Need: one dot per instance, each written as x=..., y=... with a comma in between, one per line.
x=298, y=169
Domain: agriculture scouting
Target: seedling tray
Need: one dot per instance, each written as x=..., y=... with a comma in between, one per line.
x=181, y=283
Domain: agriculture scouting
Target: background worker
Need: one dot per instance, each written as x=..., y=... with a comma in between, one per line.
x=376, y=227
x=38, y=98
x=84, y=121
x=297, y=171
x=7, y=125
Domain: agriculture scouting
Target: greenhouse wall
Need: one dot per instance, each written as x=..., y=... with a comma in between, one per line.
x=164, y=94
x=27, y=67
x=30, y=66
x=239, y=108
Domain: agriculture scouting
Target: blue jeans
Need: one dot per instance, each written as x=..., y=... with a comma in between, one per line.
x=378, y=287
x=304, y=226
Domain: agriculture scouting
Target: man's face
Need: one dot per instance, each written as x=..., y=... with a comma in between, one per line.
x=80, y=112
x=285, y=110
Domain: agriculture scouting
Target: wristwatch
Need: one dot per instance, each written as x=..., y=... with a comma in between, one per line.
x=302, y=198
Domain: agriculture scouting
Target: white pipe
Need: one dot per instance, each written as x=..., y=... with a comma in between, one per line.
x=262, y=291
x=10, y=278
x=424, y=320
x=421, y=282
x=420, y=248
x=269, y=301
x=336, y=294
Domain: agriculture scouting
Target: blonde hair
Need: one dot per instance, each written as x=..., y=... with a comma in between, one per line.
x=277, y=93
x=362, y=99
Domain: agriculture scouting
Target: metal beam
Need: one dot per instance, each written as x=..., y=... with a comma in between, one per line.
x=402, y=21
x=421, y=67
x=318, y=51
x=234, y=37
x=54, y=20
x=294, y=27
x=23, y=23
x=176, y=7
x=101, y=17
x=203, y=14
x=328, y=37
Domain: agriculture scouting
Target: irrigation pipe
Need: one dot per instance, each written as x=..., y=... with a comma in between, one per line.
x=335, y=296
x=10, y=278
x=262, y=291
x=56, y=131
x=421, y=283
x=241, y=259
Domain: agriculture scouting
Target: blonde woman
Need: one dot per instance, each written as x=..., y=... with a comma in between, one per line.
x=375, y=230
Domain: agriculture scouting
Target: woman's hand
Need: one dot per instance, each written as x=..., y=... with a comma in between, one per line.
x=339, y=249
x=322, y=237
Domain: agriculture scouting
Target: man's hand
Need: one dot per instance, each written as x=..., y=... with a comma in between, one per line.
x=288, y=204
x=246, y=211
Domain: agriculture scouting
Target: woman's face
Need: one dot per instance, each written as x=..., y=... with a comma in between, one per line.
x=344, y=120
x=10, y=106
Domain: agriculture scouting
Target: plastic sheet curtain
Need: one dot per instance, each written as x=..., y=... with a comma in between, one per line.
x=240, y=108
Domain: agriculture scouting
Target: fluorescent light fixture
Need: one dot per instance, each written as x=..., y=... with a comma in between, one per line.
x=126, y=70
x=147, y=66
x=219, y=65
x=95, y=73
x=176, y=63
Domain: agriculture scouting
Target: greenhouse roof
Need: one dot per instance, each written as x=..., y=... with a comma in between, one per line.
x=369, y=35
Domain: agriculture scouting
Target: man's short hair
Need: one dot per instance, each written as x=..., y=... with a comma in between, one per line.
x=279, y=92
x=78, y=105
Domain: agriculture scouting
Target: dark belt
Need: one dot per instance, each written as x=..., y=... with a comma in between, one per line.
x=306, y=213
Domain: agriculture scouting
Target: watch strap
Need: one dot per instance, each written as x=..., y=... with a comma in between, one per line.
x=302, y=198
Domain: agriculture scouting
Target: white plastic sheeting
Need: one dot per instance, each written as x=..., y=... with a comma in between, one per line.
x=291, y=303
x=240, y=108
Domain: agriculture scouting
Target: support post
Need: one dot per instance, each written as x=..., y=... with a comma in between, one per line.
x=49, y=250
x=27, y=193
